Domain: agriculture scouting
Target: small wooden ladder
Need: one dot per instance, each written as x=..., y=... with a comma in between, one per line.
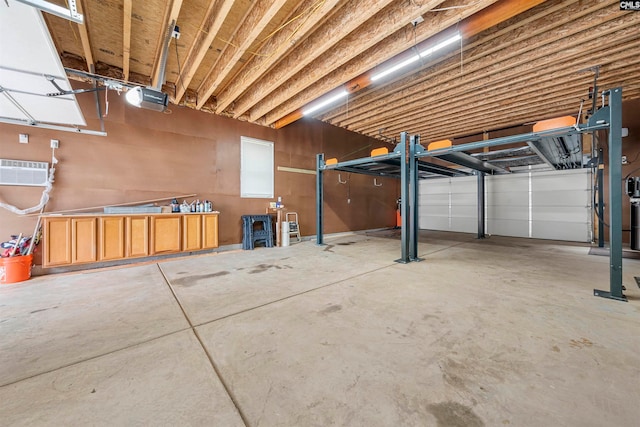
x=294, y=227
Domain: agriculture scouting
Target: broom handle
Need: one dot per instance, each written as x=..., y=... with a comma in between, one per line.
x=13, y=251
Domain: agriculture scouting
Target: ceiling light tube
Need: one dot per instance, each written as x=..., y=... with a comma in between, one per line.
x=413, y=59
x=440, y=45
x=396, y=67
x=324, y=103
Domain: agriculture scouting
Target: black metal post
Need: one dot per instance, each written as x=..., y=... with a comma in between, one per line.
x=414, y=140
x=404, y=196
x=319, y=198
x=615, y=193
x=600, y=207
x=481, y=234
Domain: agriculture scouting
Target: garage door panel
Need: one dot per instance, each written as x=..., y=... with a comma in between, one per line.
x=558, y=230
x=508, y=227
x=547, y=205
x=433, y=222
x=560, y=198
x=506, y=212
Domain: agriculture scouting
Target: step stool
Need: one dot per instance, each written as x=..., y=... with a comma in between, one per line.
x=256, y=228
x=294, y=227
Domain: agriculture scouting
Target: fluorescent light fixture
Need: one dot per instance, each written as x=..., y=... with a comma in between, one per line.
x=440, y=45
x=324, y=103
x=415, y=58
x=134, y=96
x=395, y=68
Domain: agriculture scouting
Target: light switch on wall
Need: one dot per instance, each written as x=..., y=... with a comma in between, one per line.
x=24, y=138
x=55, y=143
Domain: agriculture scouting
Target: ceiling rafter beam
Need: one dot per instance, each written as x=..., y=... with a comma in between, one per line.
x=83, y=29
x=212, y=21
x=311, y=12
x=487, y=68
x=487, y=114
x=171, y=13
x=518, y=115
x=510, y=89
x=356, y=72
x=508, y=93
x=126, y=38
x=486, y=58
x=401, y=82
x=351, y=30
x=256, y=20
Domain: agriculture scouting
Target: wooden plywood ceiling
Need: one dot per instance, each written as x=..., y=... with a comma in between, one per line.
x=264, y=60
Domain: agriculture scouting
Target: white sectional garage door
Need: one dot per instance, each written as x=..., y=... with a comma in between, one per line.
x=545, y=205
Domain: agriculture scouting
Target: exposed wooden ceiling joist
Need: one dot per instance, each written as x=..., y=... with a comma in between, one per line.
x=354, y=29
x=542, y=53
x=307, y=16
x=391, y=87
x=524, y=85
x=212, y=21
x=261, y=60
x=84, y=37
x=171, y=14
x=371, y=57
x=126, y=38
x=482, y=59
x=246, y=34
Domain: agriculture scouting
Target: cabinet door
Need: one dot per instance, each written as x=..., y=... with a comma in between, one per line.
x=56, y=242
x=137, y=236
x=209, y=231
x=165, y=233
x=111, y=238
x=83, y=240
x=192, y=232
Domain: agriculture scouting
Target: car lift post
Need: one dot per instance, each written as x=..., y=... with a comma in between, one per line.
x=612, y=114
x=480, y=176
x=319, y=198
x=404, y=196
x=414, y=143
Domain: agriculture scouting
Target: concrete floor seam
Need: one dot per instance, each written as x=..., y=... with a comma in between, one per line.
x=226, y=387
x=95, y=357
x=293, y=296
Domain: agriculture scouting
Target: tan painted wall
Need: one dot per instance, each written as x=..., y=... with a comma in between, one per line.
x=149, y=155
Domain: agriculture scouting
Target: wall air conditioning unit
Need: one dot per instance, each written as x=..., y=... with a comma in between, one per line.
x=22, y=172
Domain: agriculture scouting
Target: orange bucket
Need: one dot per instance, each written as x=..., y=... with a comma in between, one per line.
x=15, y=269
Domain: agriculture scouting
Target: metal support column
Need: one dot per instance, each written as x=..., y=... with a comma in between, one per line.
x=414, y=140
x=614, y=118
x=319, y=198
x=404, y=196
x=600, y=207
x=480, y=205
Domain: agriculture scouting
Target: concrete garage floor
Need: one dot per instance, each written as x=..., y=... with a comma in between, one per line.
x=502, y=331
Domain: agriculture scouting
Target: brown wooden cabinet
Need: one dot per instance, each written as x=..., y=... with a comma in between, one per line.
x=111, y=238
x=137, y=236
x=192, y=232
x=84, y=239
x=56, y=234
x=209, y=231
x=165, y=234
